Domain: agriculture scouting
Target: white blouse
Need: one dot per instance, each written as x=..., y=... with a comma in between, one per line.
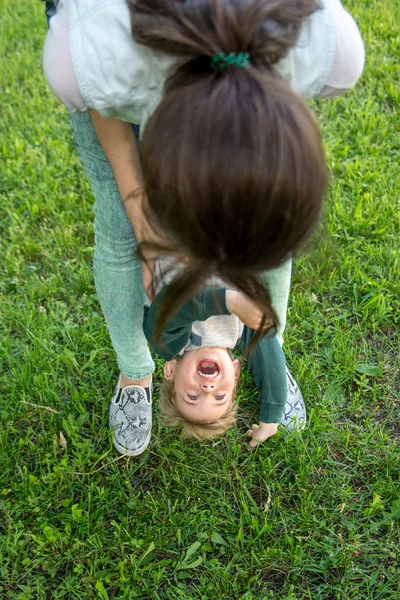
x=346, y=67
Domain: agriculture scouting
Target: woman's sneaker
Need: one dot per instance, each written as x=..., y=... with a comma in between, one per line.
x=294, y=413
x=131, y=418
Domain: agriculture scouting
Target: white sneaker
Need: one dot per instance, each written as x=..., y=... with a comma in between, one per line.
x=131, y=418
x=294, y=413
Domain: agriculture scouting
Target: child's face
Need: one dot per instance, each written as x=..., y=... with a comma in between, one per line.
x=204, y=382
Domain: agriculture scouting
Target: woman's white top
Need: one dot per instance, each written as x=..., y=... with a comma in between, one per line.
x=91, y=61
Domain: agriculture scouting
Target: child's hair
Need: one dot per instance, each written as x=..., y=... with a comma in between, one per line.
x=171, y=417
x=232, y=160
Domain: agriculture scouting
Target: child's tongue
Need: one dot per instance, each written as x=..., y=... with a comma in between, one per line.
x=208, y=367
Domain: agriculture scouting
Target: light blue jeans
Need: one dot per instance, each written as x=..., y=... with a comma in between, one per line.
x=117, y=268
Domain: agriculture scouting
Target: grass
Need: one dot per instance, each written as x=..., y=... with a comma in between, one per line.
x=313, y=515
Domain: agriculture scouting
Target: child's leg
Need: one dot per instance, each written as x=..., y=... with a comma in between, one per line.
x=117, y=269
x=278, y=281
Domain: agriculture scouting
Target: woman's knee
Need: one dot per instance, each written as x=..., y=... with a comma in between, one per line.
x=116, y=250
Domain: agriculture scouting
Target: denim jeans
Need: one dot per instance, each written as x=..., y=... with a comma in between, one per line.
x=278, y=282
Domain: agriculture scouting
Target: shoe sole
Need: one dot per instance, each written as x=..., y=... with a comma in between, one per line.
x=125, y=452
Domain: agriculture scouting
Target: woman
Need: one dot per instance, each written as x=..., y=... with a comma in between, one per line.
x=231, y=171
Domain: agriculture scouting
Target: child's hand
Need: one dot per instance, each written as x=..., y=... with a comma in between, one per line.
x=248, y=312
x=261, y=432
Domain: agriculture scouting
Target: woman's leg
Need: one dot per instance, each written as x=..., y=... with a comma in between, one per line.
x=278, y=282
x=118, y=278
x=117, y=269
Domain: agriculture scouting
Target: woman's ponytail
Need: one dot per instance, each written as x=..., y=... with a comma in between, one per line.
x=264, y=28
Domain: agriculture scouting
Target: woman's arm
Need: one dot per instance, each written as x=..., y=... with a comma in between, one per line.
x=119, y=144
x=120, y=147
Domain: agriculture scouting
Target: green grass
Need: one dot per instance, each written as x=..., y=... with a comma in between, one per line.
x=314, y=515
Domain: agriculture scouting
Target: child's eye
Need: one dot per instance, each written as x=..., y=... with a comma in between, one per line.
x=191, y=397
x=220, y=397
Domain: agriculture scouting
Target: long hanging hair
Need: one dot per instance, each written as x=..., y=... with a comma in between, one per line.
x=233, y=165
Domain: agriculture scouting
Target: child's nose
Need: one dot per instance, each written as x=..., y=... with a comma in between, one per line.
x=207, y=386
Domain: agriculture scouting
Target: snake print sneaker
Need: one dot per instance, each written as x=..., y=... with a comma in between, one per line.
x=131, y=418
x=294, y=413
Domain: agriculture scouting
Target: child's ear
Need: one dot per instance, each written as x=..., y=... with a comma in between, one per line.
x=236, y=366
x=169, y=368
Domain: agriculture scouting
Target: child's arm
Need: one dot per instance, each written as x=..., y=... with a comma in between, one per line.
x=268, y=365
x=206, y=303
x=245, y=309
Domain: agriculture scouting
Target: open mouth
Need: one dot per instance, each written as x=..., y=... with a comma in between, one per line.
x=208, y=369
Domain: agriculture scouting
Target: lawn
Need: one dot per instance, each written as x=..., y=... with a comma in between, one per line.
x=310, y=515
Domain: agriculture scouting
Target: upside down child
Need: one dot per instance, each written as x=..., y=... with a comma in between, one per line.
x=198, y=393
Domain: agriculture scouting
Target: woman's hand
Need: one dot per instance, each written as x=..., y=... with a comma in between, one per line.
x=261, y=432
x=244, y=308
x=143, y=233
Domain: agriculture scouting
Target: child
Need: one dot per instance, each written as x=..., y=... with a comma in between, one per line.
x=201, y=375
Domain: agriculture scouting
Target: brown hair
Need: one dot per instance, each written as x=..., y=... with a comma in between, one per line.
x=232, y=160
x=171, y=417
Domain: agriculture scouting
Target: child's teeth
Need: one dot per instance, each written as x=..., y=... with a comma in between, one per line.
x=208, y=369
x=207, y=375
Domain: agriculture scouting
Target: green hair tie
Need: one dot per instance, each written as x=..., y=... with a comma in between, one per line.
x=234, y=59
